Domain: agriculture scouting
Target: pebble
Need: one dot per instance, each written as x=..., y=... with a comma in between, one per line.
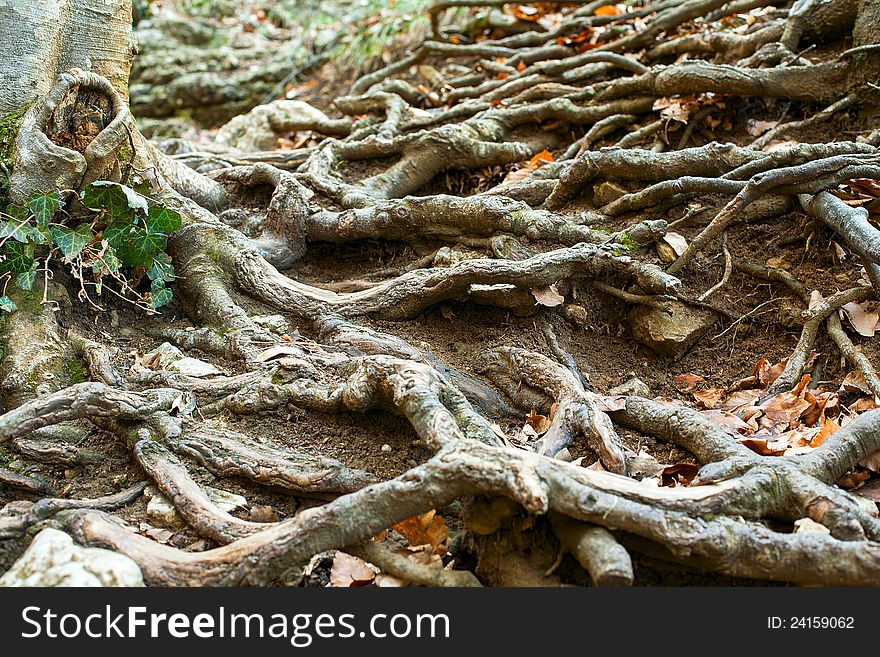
x=564, y=455
x=386, y=448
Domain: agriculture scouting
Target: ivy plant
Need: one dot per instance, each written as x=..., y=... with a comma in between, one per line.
x=116, y=241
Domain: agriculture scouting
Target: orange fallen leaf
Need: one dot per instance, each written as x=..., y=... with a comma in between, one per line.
x=607, y=10
x=827, y=429
x=681, y=474
x=528, y=168
x=740, y=400
x=765, y=446
x=709, y=398
x=729, y=422
x=426, y=529
x=540, y=423
x=687, y=382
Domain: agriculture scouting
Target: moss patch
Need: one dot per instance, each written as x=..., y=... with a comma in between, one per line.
x=9, y=125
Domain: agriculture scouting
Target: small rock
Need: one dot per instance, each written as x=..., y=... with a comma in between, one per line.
x=632, y=386
x=161, y=357
x=69, y=474
x=168, y=357
x=159, y=534
x=228, y=502
x=275, y=323
x=575, y=313
x=606, y=192
x=564, y=455
x=52, y=559
x=193, y=367
x=263, y=513
x=667, y=253
x=449, y=256
x=199, y=546
x=160, y=511
x=670, y=333
x=386, y=448
x=809, y=526
x=412, y=463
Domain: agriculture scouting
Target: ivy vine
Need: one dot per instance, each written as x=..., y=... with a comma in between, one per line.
x=115, y=241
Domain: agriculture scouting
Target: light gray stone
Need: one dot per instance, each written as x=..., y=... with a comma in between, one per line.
x=670, y=333
x=632, y=386
x=53, y=559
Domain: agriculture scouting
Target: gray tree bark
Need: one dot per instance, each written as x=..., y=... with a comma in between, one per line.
x=44, y=38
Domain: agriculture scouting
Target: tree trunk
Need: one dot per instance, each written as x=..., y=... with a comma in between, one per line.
x=43, y=39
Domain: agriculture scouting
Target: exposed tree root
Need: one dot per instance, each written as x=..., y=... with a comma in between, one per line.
x=581, y=223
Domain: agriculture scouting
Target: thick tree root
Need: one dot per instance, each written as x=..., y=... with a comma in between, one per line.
x=580, y=221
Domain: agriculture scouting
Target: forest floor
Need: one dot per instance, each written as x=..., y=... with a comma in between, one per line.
x=755, y=324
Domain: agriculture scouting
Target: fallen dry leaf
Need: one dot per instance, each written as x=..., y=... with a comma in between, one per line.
x=687, y=382
x=348, y=571
x=828, y=428
x=608, y=403
x=756, y=128
x=729, y=422
x=426, y=529
x=672, y=109
x=275, y=352
x=547, y=296
x=765, y=446
x=855, y=382
x=740, y=400
x=607, y=10
x=783, y=410
x=676, y=242
x=527, y=169
x=680, y=474
x=863, y=404
x=778, y=262
x=710, y=398
x=853, y=479
x=863, y=317
x=540, y=423
x=872, y=462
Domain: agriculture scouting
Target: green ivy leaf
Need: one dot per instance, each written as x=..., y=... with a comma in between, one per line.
x=17, y=231
x=72, y=241
x=44, y=207
x=140, y=246
x=112, y=260
x=161, y=220
x=18, y=258
x=25, y=280
x=17, y=212
x=160, y=297
x=161, y=270
x=116, y=234
x=41, y=235
x=7, y=304
x=118, y=200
